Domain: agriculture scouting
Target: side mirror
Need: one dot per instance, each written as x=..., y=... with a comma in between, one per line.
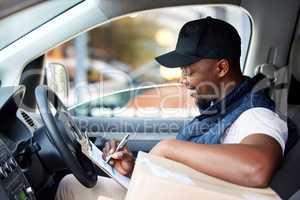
x=57, y=78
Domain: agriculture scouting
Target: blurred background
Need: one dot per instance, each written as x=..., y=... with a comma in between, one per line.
x=119, y=56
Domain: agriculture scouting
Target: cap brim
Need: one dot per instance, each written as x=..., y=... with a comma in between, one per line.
x=174, y=59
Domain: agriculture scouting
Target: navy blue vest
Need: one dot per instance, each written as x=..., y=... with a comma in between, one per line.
x=209, y=127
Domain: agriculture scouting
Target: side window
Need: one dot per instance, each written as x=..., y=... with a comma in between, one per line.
x=112, y=68
x=154, y=101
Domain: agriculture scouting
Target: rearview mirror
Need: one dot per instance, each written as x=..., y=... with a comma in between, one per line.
x=57, y=78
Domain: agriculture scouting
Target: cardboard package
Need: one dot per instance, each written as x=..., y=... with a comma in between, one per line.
x=156, y=178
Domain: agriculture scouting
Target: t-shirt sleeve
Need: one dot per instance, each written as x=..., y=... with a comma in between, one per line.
x=257, y=120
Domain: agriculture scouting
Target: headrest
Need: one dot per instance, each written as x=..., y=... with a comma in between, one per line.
x=266, y=69
x=294, y=60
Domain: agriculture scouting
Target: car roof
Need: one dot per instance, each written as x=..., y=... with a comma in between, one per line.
x=9, y=7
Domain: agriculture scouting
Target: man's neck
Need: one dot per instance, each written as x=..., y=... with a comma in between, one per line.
x=229, y=83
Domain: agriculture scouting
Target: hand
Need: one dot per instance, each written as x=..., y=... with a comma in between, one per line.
x=121, y=160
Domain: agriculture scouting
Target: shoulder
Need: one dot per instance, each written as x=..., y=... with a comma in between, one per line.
x=261, y=120
x=258, y=120
x=261, y=99
x=260, y=113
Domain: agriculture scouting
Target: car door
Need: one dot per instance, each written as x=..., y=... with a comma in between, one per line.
x=149, y=114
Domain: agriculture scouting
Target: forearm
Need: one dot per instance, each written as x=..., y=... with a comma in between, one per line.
x=240, y=164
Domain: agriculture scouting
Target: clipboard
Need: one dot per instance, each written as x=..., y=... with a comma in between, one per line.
x=95, y=155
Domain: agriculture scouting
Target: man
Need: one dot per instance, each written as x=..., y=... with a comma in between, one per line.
x=238, y=137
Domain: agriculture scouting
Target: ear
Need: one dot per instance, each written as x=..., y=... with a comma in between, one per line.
x=222, y=68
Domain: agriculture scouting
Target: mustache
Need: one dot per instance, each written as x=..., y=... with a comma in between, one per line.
x=197, y=95
x=192, y=92
x=191, y=87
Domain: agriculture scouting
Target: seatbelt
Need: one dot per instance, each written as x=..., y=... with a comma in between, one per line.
x=295, y=196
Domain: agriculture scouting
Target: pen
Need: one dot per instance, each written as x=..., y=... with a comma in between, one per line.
x=120, y=146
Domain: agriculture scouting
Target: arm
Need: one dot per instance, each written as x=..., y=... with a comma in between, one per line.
x=250, y=163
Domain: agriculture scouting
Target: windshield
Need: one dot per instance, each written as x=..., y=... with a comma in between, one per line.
x=30, y=19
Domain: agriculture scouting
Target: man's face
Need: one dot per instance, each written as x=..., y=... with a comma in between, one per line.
x=202, y=79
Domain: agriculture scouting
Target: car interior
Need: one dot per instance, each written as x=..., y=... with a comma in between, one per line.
x=36, y=148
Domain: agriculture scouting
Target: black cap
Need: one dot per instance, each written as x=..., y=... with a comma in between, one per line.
x=203, y=38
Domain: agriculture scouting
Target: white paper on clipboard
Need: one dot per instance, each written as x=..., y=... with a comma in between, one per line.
x=95, y=155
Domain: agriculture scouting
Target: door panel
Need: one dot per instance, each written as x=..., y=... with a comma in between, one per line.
x=145, y=133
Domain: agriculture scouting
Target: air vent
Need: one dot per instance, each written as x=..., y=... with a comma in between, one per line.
x=28, y=120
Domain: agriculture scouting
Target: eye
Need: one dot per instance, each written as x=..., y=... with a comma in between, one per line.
x=186, y=74
x=189, y=74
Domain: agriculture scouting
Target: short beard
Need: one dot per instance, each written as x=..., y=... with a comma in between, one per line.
x=202, y=103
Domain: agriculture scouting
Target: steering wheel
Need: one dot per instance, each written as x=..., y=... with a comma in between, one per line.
x=63, y=132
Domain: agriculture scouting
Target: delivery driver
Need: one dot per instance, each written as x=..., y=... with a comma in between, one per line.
x=238, y=137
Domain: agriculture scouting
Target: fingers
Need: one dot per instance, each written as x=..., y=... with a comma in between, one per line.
x=124, y=170
x=113, y=146
x=122, y=155
x=105, y=150
x=112, y=162
x=109, y=148
x=123, y=162
x=118, y=155
x=125, y=148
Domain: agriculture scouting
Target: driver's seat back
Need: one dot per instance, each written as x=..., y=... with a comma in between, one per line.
x=286, y=180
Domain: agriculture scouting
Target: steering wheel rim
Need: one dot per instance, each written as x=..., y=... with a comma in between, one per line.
x=58, y=134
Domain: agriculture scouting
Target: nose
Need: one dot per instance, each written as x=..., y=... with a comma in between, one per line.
x=184, y=80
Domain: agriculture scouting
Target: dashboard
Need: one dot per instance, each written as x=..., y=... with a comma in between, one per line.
x=30, y=165
x=13, y=132
x=13, y=184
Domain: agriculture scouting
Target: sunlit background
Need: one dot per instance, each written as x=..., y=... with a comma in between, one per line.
x=120, y=54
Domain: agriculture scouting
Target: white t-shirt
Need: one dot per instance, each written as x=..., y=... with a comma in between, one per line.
x=257, y=120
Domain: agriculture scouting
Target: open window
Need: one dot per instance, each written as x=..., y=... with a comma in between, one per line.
x=112, y=67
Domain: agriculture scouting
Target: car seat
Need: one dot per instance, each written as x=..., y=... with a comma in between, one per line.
x=286, y=181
